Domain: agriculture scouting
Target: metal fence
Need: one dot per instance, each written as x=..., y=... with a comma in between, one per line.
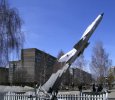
x=82, y=96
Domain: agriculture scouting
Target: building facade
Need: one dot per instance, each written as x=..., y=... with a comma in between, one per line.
x=35, y=66
x=81, y=76
x=14, y=67
x=3, y=75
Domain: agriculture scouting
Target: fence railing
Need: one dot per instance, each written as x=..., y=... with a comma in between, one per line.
x=94, y=96
x=82, y=96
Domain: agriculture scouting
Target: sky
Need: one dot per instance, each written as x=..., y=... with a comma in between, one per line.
x=54, y=25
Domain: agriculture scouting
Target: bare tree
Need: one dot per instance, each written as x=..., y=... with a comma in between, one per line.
x=61, y=53
x=11, y=36
x=81, y=64
x=43, y=68
x=58, y=65
x=46, y=68
x=110, y=79
x=100, y=62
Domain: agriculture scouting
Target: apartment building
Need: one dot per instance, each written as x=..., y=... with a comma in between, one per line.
x=35, y=66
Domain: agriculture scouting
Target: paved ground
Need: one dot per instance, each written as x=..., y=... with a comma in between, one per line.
x=112, y=94
x=4, y=89
x=15, y=88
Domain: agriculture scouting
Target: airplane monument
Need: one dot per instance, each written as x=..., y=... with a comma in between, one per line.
x=54, y=81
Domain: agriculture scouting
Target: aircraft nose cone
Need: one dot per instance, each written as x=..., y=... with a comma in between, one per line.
x=102, y=14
